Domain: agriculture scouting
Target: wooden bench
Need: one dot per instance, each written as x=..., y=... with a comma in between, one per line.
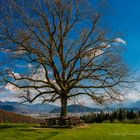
x=74, y=121
x=46, y=123
x=57, y=122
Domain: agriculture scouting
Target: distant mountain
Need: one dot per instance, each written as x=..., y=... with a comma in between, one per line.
x=129, y=105
x=77, y=109
x=135, y=105
x=41, y=108
x=6, y=106
x=26, y=108
x=132, y=108
x=49, y=108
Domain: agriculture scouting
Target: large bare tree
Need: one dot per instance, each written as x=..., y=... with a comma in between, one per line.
x=64, y=48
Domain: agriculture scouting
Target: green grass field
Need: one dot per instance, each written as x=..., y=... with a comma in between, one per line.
x=91, y=132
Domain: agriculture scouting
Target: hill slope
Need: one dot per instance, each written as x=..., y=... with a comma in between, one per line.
x=7, y=116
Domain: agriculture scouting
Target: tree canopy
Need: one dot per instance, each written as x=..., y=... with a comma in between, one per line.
x=65, y=49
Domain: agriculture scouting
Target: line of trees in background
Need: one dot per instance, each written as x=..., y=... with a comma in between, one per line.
x=121, y=115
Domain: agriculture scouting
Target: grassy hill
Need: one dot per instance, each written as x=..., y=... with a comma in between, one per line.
x=7, y=116
x=92, y=132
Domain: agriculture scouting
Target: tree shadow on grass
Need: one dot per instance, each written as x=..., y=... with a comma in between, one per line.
x=50, y=135
x=7, y=126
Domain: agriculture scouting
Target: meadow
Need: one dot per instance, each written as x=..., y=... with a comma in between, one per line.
x=105, y=131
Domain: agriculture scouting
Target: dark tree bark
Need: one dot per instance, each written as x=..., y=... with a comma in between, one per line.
x=63, y=107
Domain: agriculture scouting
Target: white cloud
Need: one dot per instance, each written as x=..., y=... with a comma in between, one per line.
x=9, y=93
x=20, y=51
x=9, y=98
x=17, y=75
x=30, y=65
x=5, y=50
x=21, y=66
x=39, y=75
x=11, y=87
x=93, y=52
x=133, y=96
x=97, y=52
x=105, y=45
x=12, y=74
x=120, y=40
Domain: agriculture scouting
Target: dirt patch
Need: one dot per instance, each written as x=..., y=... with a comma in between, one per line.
x=82, y=126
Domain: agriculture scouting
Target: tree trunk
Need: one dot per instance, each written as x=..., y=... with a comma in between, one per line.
x=63, y=107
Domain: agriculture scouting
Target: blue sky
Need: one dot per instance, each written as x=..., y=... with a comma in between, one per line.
x=125, y=18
